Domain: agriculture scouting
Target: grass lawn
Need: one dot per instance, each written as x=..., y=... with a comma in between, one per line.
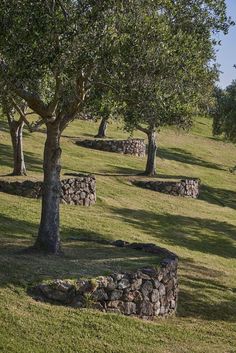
x=202, y=232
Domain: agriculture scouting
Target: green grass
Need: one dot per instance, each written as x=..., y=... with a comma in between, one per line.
x=202, y=232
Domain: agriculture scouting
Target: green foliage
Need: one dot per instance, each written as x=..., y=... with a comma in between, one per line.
x=162, y=57
x=224, y=113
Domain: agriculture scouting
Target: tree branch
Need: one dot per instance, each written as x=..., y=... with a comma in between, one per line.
x=33, y=100
x=140, y=128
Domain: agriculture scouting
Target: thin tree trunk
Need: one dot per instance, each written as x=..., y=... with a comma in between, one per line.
x=102, y=128
x=152, y=150
x=16, y=131
x=48, y=239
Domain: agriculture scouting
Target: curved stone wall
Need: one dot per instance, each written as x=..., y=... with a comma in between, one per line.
x=74, y=191
x=186, y=188
x=145, y=293
x=135, y=147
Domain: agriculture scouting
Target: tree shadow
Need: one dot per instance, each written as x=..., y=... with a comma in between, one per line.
x=202, y=294
x=218, y=196
x=182, y=156
x=86, y=254
x=32, y=162
x=196, y=234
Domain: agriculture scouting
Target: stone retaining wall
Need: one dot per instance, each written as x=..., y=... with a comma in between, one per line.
x=74, y=191
x=135, y=147
x=186, y=188
x=145, y=293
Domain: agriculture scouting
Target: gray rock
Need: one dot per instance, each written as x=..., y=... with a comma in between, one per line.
x=154, y=296
x=99, y=295
x=124, y=283
x=115, y=294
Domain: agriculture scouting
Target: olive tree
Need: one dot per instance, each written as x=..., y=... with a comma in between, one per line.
x=164, y=64
x=224, y=112
x=14, y=111
x=51, y=53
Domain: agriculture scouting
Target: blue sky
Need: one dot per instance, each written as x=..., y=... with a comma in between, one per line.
x=226, y=55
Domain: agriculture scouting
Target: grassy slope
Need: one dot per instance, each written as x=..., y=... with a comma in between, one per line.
x=202, y=232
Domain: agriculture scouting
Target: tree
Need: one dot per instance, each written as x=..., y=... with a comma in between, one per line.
x=15, y=111
x=164, y=64
x=102, y=128
x=53, y=70
x=224, y=112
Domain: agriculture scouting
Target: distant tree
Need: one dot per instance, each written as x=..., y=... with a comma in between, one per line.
x=15, y=110
x=164, y=61
x=102, y=128
x=224, y=113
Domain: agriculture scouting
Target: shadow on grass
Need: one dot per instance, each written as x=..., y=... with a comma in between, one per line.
x=32, y=162
x=202, y=294
x=86, y=254
x=196, y=234
x=182, y=156
x=218, y=196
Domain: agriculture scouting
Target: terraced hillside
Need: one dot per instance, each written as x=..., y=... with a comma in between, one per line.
x=202, y=232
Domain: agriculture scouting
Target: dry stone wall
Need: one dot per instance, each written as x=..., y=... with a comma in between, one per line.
x=145, y=293
x=186, y=188
x=135, y=147
x=74, y=191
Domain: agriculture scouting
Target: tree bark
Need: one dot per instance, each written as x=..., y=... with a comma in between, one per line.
x=48, y=239
x=152, y=150
x=102, y=128
x=16, y=131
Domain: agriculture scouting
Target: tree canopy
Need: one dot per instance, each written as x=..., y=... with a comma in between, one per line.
x=224, y=112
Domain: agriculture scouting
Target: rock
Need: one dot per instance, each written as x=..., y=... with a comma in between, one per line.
x=136, y=284
x=154, y=296
x=99, y=295
x=115, y=294
x=146, y=288
x=129, y=308
x=162, y=290
x=124, y=283
x=146, y=308
x=55, y=294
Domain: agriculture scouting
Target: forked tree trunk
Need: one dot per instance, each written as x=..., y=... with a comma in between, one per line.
x=152, y=150
x=102, y=128
x=48, y=239
x=16, y=131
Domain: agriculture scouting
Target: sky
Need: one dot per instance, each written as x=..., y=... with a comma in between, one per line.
x=226, y=55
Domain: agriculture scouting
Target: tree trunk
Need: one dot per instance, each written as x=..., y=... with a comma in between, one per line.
x=102, y=128
x=152, y=150
x=48, y=239
x=16, y=131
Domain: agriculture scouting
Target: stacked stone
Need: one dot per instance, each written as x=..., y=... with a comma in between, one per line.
x=79, y=191
x=145, y=293
x=26, y=188
x=74, y=191
x=185, y=188
x=135, y=147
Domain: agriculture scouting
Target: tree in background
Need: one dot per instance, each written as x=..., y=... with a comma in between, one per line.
x=224, y=113
x=164, y=64
x=15, y=110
